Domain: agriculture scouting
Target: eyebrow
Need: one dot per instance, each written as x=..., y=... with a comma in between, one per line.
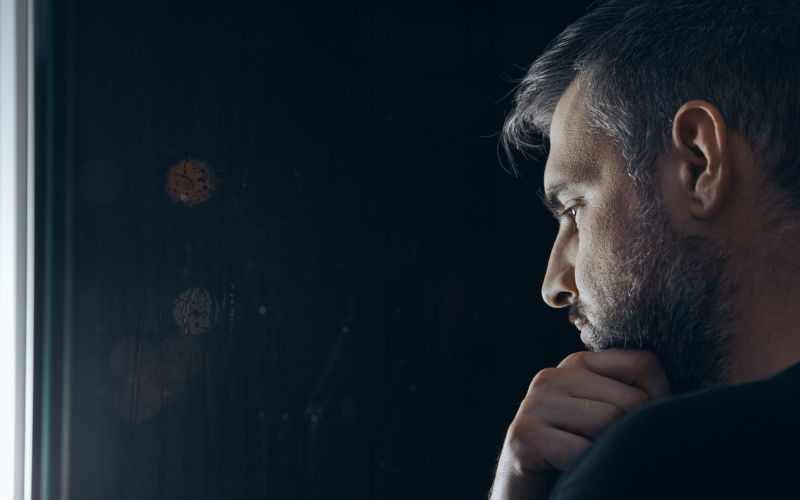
x=550, y=197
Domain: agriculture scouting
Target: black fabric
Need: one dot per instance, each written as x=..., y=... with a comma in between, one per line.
x=739, y=441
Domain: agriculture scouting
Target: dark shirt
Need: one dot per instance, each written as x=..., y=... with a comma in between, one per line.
x=738, y=441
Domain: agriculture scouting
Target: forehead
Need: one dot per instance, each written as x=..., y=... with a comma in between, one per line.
x=578, y=154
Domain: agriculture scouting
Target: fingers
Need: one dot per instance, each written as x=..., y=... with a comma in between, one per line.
x=578, y=416
x=638, y=368
x=537, y=447
x=585, y=384
x=568, y=406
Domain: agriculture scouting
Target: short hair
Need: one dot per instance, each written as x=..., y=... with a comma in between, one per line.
x=639, y=61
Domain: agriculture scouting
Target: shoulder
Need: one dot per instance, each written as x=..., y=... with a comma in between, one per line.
x=700, y=438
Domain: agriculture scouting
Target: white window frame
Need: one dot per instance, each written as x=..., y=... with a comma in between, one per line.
x=16, y=248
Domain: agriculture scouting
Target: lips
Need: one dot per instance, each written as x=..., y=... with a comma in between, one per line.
x=585, y=337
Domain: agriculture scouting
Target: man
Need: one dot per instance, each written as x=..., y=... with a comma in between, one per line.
x=674, y=173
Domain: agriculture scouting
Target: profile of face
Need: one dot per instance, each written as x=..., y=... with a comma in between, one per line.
x=628, y=277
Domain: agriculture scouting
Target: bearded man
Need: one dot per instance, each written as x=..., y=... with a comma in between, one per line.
x=674, y=173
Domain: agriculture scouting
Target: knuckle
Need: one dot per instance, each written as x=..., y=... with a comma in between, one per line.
x=543, y=380
x=575, y=358
x=513, y=436
x=524, y=442
x=523, y=431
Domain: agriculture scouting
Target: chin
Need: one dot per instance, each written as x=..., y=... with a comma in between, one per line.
x=592, y=340
x=595, y=340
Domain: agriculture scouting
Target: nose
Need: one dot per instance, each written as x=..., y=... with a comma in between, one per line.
x=559, y=288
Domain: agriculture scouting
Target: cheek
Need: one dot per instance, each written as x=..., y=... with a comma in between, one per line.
x=586, y=262
x=594, y=261
x=588, y=280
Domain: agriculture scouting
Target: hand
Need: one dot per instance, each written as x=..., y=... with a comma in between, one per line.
x=565, y=409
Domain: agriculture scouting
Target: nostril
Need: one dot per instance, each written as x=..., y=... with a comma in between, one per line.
x=563, y=299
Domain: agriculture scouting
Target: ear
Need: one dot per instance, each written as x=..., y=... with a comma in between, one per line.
x=700, y=141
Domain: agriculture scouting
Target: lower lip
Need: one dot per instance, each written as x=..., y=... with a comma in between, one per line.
x=584, y=334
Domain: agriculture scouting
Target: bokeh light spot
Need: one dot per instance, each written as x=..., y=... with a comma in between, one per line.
x=194, y=311
x=190, y=182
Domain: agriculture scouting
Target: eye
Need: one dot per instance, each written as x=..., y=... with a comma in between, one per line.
x=572, y=213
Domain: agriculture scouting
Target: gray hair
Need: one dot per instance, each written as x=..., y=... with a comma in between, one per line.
x=639, y=61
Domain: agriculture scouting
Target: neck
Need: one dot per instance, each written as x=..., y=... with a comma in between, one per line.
x=767, y=323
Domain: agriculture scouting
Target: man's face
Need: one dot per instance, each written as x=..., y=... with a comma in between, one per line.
x=629, y=279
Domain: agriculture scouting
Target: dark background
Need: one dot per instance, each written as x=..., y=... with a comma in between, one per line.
x=354, y=311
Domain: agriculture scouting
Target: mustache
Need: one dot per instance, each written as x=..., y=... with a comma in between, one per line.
x=576, y=313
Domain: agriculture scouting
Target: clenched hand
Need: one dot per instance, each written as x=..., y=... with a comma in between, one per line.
x=565, y=409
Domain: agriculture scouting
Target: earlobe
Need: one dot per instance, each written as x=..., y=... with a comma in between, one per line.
x=700, y=140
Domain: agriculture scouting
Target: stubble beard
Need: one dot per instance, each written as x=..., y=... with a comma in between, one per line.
x=667, y=293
